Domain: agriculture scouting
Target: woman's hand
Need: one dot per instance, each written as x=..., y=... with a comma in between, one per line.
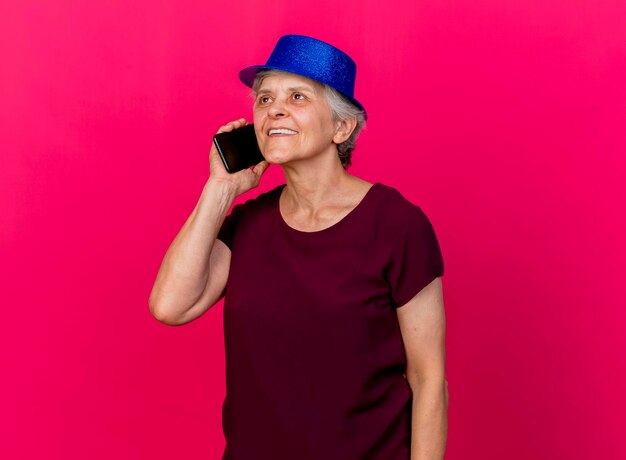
x=243, y=180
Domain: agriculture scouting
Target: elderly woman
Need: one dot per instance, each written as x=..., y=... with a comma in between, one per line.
x=333, y=313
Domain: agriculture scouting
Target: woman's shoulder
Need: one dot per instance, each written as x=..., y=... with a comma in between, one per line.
x=399, y=209
x=255, y=205
x=261, y=198
x=270, y=194
x=395, y=200
x=402, y=216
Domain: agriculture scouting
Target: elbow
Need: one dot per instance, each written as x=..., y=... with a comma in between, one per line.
x=162, y=314
x=159, y=310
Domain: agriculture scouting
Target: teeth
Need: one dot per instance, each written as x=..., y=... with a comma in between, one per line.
x=282, y=131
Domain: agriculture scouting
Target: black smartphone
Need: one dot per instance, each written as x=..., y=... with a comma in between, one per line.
x=238, y=148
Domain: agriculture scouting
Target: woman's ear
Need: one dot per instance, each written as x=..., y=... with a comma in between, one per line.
x=343, y=130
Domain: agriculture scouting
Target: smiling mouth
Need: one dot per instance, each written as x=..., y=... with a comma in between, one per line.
x=281, y=132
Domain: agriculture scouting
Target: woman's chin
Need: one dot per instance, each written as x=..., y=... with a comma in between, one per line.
x=276, y=156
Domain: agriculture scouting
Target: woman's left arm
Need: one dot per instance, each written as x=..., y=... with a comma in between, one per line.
x=423, y=324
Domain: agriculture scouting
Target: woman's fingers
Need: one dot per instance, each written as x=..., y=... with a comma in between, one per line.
x=260, y=168
x=235, y=124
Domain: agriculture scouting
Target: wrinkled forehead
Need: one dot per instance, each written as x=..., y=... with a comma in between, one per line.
x=285, y=80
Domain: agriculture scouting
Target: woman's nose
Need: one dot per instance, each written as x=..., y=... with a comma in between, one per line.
x=277, y=109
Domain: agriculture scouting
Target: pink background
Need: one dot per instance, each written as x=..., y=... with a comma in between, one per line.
x=505, y=121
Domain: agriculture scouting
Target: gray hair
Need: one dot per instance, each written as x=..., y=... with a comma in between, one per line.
x=340, y=107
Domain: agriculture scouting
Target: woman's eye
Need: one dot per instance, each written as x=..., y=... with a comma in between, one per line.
x=262, y=99
x=298, y=94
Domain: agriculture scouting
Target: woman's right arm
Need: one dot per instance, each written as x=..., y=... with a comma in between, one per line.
x=194, y=271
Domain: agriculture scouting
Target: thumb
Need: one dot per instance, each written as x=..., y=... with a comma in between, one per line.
x=260, y=168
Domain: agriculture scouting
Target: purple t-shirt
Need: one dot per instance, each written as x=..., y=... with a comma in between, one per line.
x=315, y=361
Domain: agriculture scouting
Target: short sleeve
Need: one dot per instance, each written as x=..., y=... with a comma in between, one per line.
x=416, y=257
x=229, y=227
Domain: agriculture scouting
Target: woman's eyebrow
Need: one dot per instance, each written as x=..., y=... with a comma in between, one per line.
x=295, y=88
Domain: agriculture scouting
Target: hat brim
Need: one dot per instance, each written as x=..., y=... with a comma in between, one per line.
x=248, y=75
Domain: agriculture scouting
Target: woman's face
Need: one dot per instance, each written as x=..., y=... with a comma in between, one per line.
x=296, y=103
